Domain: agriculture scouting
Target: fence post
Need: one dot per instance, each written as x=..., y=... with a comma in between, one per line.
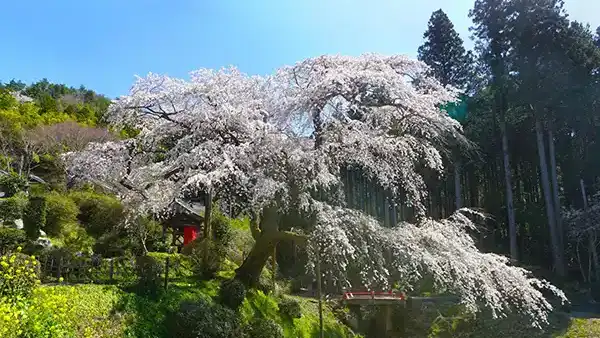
x=111, y=270
x=166, y=273
x=59, y=267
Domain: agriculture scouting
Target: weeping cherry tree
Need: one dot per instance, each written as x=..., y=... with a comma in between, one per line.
x=275, y=148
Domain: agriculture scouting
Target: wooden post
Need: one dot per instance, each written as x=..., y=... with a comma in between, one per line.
x=319, y=294
x=274, y=267
x=59, y=267
x=111, y=270
x=207, y=214
x=166, y=273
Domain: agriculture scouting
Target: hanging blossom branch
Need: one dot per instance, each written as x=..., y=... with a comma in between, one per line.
x=350, y=241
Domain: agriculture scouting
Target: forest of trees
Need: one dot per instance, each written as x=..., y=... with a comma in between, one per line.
x=533, y=85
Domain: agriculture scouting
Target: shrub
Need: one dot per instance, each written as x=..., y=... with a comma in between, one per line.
x=221, y=229
x=149, y=271
x=203, y=320
x=12, y=184
x=19, y=274
x=12, y=208
x=61, y=210
x=263, y=328
x=35, y=217
x=289, y=308
x=76, y=239
x=232, y=293
x=98, y=213
x=11, y=238
x=113, y=244
x=206, y=257
x=179, y=265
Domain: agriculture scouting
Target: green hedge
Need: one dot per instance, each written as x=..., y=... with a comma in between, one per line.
x=34, y=218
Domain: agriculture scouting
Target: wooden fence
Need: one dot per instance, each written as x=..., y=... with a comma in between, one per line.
x=118, y=270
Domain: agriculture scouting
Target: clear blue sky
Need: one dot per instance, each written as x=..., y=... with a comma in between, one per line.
x=102, y=44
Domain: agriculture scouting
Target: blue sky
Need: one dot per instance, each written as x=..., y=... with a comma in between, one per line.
x=102, y=44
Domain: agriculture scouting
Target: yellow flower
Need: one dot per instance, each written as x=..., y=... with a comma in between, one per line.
x=19, y=249
x=60, y=280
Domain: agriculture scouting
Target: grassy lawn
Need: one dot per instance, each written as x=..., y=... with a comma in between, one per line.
x=582, y=328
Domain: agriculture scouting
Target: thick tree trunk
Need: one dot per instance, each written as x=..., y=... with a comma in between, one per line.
x=512, y=226
x=267, y=237
x=545, y=181
x=249, y=272
x=555, y=195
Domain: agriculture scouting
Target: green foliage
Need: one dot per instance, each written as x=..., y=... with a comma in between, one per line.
x=35, y=216
x=98, y=213
x=76, y=239
x=63, y=311
x=221, y=228
x=12, y=184
x=204, y=320
x=7, y=100
x=263, y=328
x=149, y=271
x=444, y=52
x=232, y=293
x=242, y=241
x=61, y=212
x=12, y=208
x=206, y=257
x=179, y=265
x=289, y=308
x=146, y=235
x=19, y=275
x=11, y=238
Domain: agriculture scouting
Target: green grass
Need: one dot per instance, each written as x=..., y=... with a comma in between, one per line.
x=582, y=328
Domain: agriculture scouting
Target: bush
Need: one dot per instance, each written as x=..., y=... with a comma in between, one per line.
x=206, y=257
x=76, y=239
x=12, y=184
x=263, y=328
x=35, y=217
x=19, y=274
x=98, y=213
x=61, y=210
x=179, y=265
x=11, y=238
x=232, y=293
x=12, y=208
x=203, y=320
x=149, y=271
x=221, y=229
x=290, y=308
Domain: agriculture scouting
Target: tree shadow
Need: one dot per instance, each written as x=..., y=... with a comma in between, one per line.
x=147, y=315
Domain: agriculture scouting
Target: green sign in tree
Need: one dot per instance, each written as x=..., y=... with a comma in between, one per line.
x=457, y=110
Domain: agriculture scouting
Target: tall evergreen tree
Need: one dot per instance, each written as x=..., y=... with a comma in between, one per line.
x=444, y=52
x=490, y=20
